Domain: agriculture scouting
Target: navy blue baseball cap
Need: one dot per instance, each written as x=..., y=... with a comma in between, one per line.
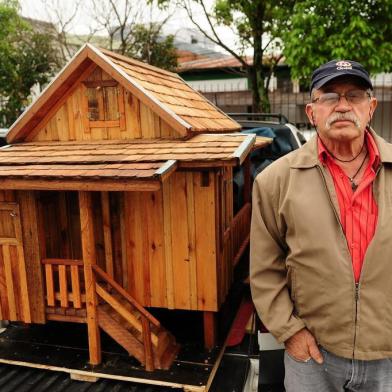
x=338, y=68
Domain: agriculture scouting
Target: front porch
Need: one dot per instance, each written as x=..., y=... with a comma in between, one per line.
x=81, y=291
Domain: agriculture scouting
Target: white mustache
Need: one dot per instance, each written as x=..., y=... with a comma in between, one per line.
x=342, y=116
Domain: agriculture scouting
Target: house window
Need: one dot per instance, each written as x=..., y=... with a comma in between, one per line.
x=105, y=104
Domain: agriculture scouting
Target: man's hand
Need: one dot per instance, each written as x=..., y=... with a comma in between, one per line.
x=303, y=346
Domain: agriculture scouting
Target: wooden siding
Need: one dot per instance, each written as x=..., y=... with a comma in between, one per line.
x=32, y=253
x=14, y=295
x=163, y=242
x=59, y=225
x=164, y=247
x=70, y=121
x=32, y=274
x=170, y=244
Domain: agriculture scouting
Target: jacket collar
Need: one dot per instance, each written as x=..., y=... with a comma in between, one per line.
x=307, y=155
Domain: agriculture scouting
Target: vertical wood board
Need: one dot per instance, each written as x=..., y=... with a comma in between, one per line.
x=134, y=227
x=132, y=117
x=15, y=301
x=180, y=242
x=206, y=243
x=156, y=255
x=32, y=253
x=89, y=257
x=190, y=186
x=167, y=235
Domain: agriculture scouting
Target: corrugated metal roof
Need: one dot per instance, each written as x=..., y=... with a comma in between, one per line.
x=226, y=62
x=23, y=379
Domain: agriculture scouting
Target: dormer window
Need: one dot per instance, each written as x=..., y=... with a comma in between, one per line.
x=105, y=104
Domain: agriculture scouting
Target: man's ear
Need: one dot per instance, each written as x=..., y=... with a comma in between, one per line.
x=310, y=113
x=373, y=105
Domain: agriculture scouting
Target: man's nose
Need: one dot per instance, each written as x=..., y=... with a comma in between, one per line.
x=343, y=104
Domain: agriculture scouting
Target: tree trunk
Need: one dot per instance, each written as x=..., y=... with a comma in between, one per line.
x=260, y=101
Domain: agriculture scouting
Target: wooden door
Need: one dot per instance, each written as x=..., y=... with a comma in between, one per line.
x=14, y=298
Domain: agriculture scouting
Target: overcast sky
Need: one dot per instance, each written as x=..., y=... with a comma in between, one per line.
x=84, y=22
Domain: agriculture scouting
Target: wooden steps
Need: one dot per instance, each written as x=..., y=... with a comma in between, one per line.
x=121, y=335
x=128, y=333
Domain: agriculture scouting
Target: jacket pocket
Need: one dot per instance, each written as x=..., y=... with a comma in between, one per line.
x=309, y=360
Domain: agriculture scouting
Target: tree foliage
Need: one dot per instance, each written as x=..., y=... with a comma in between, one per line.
x=150, y=46
x=321, y=30
x=255, y=24
x=25, y=60
x=124, y=22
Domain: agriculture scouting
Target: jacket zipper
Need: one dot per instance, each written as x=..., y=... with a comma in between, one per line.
x=357, y=284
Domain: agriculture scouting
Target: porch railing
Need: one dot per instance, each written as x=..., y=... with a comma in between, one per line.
x=64, y=283
x=142, y=322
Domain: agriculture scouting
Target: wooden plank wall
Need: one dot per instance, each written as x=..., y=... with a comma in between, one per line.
x=32, y=254
x=59, y=225
x=21, y=289
x=7, y=299
x=170, y=244
x=69, y=120
x=166, y=246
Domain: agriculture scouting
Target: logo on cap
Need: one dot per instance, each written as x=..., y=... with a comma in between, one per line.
x=341, y=65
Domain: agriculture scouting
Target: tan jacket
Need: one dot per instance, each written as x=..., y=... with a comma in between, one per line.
x=301, y=272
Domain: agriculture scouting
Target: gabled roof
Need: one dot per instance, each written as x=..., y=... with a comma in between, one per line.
x=165, y=93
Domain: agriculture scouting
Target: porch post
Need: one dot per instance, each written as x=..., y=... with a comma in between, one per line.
x=210, y=329
x=89, y=259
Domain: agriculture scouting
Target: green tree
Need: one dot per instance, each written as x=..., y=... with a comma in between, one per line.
x=150, y=46
x=121, y=20
x=26, y=59
x=322, y=30
x=256, y=24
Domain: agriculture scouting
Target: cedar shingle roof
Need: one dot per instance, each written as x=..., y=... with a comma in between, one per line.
x=116, y=165
x=125, y=171
x=172, y=91
x=201, y=149
x=165, y=93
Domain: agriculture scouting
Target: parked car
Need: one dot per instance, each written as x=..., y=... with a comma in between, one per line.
x=286, y=138
x=3, y=134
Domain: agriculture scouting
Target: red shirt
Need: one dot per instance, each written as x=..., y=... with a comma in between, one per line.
x=358, y=209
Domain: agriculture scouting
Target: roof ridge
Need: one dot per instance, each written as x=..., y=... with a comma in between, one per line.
x=132, y=61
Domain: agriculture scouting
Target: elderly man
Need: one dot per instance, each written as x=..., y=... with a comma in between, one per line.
x=321, y=243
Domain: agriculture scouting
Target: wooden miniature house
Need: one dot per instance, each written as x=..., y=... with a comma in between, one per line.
x=116, y=196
